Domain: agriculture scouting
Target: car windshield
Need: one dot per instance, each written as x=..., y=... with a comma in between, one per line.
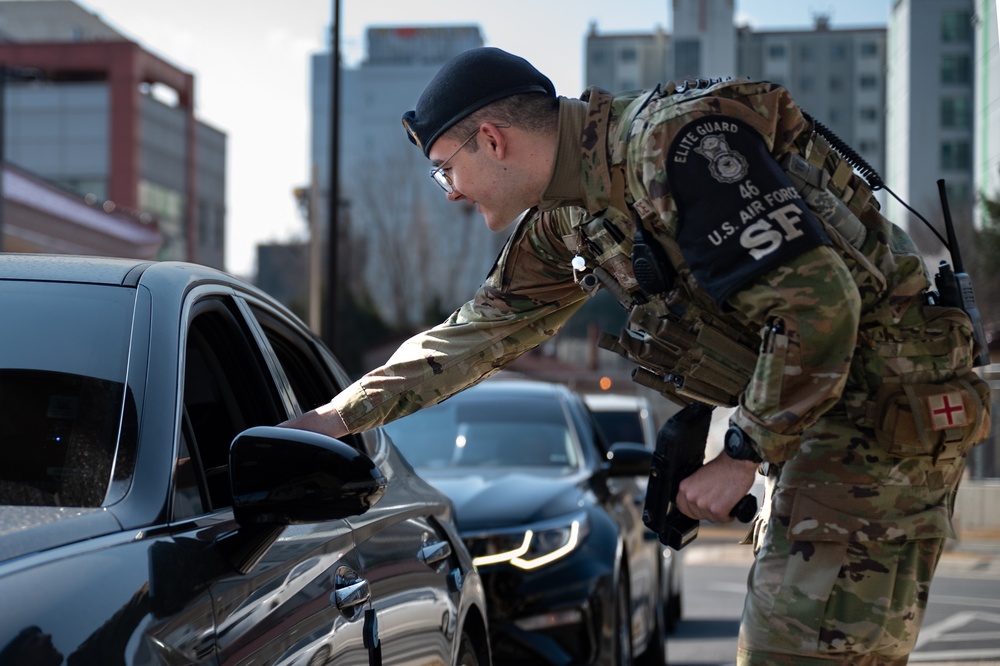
x=464, y=433
x=62, y=373
x=619, y=426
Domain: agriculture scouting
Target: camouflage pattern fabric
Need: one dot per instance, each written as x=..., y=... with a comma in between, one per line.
x=528, y=296
x=833, y=581
x=850, y=533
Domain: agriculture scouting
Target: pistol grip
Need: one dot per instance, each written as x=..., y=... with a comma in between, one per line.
x=745, y=509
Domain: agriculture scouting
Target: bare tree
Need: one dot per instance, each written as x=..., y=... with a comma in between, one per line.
x=423, y=251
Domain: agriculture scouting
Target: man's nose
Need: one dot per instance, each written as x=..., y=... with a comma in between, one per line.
x=455, y=195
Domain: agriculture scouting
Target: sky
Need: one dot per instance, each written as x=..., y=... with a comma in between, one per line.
x=251, y=58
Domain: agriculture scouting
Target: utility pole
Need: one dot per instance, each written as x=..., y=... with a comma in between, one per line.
x=331, y=328
x=315, y=254
x=3, y=149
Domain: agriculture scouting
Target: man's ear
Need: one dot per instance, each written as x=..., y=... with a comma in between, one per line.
x=496, y=140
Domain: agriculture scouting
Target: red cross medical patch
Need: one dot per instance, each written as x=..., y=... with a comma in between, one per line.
x=947, y=410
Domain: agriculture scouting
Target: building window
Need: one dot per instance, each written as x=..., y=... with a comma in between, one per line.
x=838, y=51
x=956, y=26
x=220, y=229
x=776, y=51
x=204, y=224
x=956, y=156
x=806, y=84
x=956, y=112
x=869, y=49
x=807, y=53
x=598, y=56
x=959, y=193
x=836, y=83
x=628, y=55
x=868, y=146
x=956, y=68
x=687, y=58
x=868, y=82
x=868, y=114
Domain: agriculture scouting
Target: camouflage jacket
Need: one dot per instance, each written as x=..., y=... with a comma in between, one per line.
x=835, y=305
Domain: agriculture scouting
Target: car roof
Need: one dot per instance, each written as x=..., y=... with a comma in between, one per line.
x=70, y=268
x=114, y=271
x=504, y=383
x=614, y=401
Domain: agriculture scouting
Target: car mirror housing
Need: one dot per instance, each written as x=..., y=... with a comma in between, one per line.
x=628, y=459
x=285, y=475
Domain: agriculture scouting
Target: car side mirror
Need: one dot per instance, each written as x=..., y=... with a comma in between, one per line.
x=285, y=475
x=629, y=459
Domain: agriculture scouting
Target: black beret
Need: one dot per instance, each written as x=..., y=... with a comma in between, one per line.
x=468, y=82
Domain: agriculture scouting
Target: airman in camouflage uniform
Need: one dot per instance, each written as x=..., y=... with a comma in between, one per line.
x=775, y=285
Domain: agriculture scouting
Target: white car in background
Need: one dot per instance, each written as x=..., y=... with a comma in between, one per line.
x=629, y=418
x=623, y=418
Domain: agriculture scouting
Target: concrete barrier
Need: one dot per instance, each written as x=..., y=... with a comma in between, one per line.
x=977, y=505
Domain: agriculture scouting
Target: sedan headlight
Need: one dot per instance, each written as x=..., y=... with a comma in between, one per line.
x=532, y=546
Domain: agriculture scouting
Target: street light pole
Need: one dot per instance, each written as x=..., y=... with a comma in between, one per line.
x=331, y=329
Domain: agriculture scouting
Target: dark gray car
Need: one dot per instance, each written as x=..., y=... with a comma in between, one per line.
x=551, y=513
x=150, y=512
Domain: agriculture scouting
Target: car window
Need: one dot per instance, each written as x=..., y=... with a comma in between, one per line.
x=620, y=426
x=310, y=370
x=227, y=389
x=306, y=374
x=63, y=364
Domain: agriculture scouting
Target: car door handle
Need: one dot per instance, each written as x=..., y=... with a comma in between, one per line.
x=348, y=594
x=432, y=553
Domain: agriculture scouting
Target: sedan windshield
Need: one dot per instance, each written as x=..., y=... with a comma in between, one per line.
x=461, y=432
x=62, y=372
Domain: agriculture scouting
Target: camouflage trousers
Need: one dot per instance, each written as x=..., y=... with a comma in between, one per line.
x=823, y=602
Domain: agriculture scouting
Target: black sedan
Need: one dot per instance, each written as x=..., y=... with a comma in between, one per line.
x=552, y=517
x=151, y=512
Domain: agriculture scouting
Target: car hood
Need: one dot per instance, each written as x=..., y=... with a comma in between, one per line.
x=508, y=497
x=31, y=529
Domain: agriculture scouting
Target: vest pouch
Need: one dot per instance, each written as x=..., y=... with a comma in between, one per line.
x=942, y=419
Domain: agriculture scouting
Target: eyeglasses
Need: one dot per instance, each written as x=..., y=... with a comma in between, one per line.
x=439, y=174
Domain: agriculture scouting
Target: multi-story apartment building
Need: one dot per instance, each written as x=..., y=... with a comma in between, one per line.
x=930, y=119
x=986, y=116
x=114, y=123
x=627, y=61
x=837, y=75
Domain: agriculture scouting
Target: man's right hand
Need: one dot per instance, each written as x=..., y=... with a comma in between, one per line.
x=325, y=420
x=712, y=491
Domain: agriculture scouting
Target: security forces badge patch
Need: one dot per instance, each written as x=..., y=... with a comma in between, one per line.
x=739, y=216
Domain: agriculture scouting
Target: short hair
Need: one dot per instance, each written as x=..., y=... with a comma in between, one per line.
x=532, y=112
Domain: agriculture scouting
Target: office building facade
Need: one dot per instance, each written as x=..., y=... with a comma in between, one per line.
x=107, y=119
x=704, y=39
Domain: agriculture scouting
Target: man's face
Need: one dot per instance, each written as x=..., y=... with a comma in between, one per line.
x=482, y=177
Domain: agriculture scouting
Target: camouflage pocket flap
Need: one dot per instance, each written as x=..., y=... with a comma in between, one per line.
x=837, y=514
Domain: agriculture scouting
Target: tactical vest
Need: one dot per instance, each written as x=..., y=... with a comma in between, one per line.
x=686, y=349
